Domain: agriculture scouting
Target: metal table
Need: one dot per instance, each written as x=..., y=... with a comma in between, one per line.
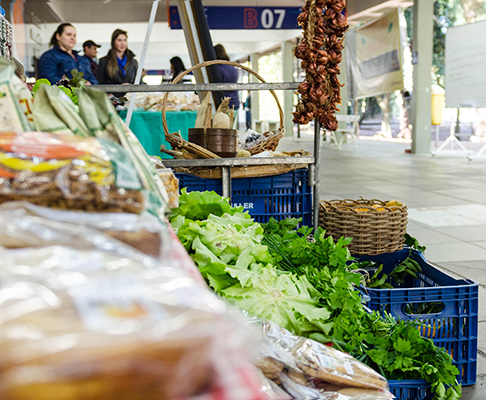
x=227, y=163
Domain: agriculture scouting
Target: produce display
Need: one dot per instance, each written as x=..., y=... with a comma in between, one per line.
x=324, y=24
x=99, y=300
x=306, y=285
x=85, y=313
x=68, y=172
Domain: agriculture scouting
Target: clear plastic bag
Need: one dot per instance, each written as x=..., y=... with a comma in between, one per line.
x=83, y=317
x=308, y=369
x=68, y=172
x=15, y=100
x=144, y=232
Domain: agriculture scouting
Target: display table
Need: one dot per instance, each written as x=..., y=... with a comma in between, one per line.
x=147, y=126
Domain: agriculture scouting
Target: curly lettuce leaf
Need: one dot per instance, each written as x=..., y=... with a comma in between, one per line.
x=200, y=205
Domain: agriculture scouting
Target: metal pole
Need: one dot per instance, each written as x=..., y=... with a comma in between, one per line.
x=153, y=13
x=317, y=156
x=226, y=180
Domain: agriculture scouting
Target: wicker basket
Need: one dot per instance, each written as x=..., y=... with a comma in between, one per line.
x=374, y=227
x=273, y=137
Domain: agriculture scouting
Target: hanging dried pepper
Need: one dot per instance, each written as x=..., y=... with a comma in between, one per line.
x=320, y=50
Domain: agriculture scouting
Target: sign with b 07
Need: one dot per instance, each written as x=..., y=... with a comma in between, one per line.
x=244, y=17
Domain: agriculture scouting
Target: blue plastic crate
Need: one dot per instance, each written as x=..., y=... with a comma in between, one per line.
x=410, y=390
x=281, y=196
x=455, y=328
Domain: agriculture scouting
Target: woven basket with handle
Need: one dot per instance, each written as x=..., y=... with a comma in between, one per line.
x=374, y=227
x=272, y=138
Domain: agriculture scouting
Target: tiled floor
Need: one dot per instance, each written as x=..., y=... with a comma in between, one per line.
x=447, y=200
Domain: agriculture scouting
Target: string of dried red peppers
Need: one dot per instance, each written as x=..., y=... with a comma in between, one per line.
x=320, y=50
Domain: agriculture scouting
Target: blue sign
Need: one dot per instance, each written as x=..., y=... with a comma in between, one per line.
x=244, y=17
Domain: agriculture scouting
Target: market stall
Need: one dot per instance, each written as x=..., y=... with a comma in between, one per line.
x=87, y=254
x=114, y=287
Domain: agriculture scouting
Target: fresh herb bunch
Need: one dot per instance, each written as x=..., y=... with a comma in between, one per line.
x=367, y=336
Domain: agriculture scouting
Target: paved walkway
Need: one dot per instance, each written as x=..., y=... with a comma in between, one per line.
x=446, y=195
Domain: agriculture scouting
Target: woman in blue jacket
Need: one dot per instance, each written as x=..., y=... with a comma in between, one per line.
x=62, y=59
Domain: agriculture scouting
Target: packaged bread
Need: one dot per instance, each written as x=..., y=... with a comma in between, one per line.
x=68, y=172
x=169, y=180
x=304, y=367
x=144, y=232
x=86, y=318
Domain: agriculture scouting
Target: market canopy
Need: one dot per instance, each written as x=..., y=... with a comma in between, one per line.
x=97, y=19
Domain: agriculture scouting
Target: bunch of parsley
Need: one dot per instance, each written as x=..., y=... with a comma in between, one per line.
x=395, y=349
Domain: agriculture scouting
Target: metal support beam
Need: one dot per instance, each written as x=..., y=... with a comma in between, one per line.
x=317, y=186
x=138, y=77
x=190, y=32
x=226, y=176
x=237, y=162
x=255, y=97
x=423, y=31
x=199, y=87
x=288, y=76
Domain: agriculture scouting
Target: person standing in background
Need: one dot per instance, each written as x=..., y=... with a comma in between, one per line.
x=119, y=65
x=229, y=74
x=59, y=61
x=177, y=67
x=90, y=50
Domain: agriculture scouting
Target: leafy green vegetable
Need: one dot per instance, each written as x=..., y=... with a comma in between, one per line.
x=226, y=244
x=199, y=205
x=281, y=227
x=413, y=243
x=306, y=284
x=395, y=349
x=77, y=80
x=400, y=274
x=66, y=88
x=38, y=84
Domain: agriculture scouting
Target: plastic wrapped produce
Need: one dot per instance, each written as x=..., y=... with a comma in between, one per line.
x=103, y=121
x=144, y=232
x=86, y=318
x=15, y=100
x=171, y=183
x=307, y=369
x=68, y=172
x=55, y=112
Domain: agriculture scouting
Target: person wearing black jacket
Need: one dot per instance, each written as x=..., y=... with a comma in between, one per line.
x=119, y=65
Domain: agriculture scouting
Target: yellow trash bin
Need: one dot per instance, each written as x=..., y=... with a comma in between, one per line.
x=438, y=100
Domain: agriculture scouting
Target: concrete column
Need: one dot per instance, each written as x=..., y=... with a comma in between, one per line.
x=288, y=76
x=255, y=98
x=422, y=49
